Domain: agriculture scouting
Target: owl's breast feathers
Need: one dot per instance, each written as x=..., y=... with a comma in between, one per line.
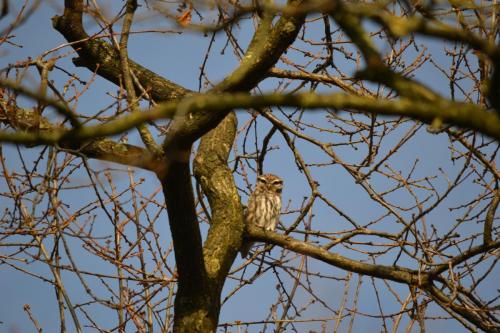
x=263, y=210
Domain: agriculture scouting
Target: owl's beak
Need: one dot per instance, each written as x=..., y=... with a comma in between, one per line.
x=279, y=190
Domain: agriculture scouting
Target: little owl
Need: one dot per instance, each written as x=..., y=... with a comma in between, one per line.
x=264, y=206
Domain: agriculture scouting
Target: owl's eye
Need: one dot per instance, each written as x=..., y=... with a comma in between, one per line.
x=260, y=179
x=277, y=182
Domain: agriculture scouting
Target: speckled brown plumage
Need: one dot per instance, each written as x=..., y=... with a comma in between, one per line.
x=264, y=205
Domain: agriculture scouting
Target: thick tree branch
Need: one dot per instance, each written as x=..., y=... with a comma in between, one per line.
x=404, y=26
x=457, y=260
x=99, y=56
x=265, y=49
x=421, y=279
x=192, y=306
x=216, y=178
x=397, y=26
x=99, y=148
x=60, y=107
x=490, y=218
x=465, y=115
x=226, y=227
x=393, y=273
x=475, y=317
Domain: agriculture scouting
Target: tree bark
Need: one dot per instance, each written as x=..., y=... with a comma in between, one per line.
x=202, y=270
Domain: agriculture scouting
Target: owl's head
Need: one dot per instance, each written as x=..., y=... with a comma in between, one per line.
x=270, y=182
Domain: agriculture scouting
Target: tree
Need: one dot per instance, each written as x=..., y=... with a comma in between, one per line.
x=352, y=92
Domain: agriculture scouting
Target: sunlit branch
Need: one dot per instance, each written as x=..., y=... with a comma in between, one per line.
x=393, y=273
x=469, y=116
x=61, y=107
